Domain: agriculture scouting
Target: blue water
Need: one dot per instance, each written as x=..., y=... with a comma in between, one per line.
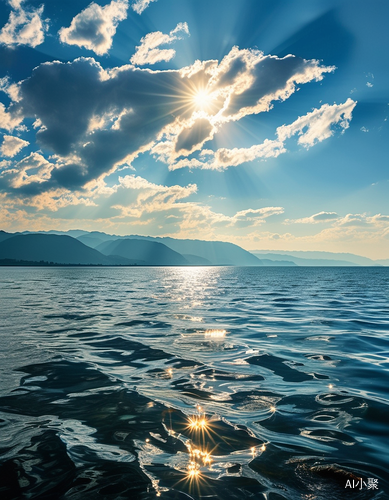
x=178, y=383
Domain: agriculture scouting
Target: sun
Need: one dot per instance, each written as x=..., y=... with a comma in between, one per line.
x=202, y=99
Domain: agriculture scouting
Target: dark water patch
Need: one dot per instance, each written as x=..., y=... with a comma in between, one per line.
x=384, y=325
x=83, y=335
x=319, y=376
x=212, y=374
x=132, y=350
x=147, y=323
x=76, y=317
x=64, y=376
x=318, y=357
x=43, y=469
x=286, y=299
x=306, y=477
x=183, y=363
x=188, y=388
x=67, y=329
x=278, y=367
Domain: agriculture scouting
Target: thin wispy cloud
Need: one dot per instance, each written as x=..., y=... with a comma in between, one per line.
x=140, y=5
x=149, y=51
x=318, y=218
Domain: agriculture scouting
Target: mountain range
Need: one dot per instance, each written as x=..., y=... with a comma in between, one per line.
x=77, y=247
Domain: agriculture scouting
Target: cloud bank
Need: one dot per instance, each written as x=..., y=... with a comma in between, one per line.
x=93, y=119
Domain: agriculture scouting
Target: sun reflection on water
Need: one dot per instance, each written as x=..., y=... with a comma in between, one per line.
x=215, y=334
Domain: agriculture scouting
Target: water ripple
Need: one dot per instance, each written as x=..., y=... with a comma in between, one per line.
x=217, y=383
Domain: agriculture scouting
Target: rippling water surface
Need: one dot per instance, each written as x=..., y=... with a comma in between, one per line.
x=179, y=383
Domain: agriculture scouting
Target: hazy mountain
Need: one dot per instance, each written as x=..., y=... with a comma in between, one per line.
x=147, y=252
x=5, y=236
x=306, y=262
x=214, y=252
x=342, y=258
x=90, y=241
x=182, y=252
x=382, y=262
x=73, y=233
x=53, y=248
x=218, y=253
x=195, y=260
x=98, y=235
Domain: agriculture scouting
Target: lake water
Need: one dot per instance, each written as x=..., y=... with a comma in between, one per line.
x=204, y=382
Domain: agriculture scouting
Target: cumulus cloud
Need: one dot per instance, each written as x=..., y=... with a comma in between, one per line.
x=136, y=197
x=148, y=52
x=314, y=127
x=95, y=26
x=25, y=26
x=140, y=5
x=11, y=145
x=254, y=217
x=26, y=174
x=9, y=121
x=195, y=218
x=254, y=81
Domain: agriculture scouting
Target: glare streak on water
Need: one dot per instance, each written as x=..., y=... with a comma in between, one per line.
x=282, y=372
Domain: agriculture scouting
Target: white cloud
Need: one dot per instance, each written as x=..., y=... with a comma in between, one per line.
x=95, y=26
x=12, y=145
x=316, y=126
x=349, y=220
x=148, y=52
x=25, y=26
x=9, y=121
x=253, y=81
x=33, y=169
x=315, y=219
x=140, y=5
x=254, y=217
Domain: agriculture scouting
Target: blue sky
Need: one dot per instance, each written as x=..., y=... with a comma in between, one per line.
x=263, y=123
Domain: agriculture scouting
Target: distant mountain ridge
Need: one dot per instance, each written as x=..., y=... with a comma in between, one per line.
x=55, y=247
x=143, y=251
x=305, y=262
x=317, y=258
x=51, y=248
x=78, y=247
